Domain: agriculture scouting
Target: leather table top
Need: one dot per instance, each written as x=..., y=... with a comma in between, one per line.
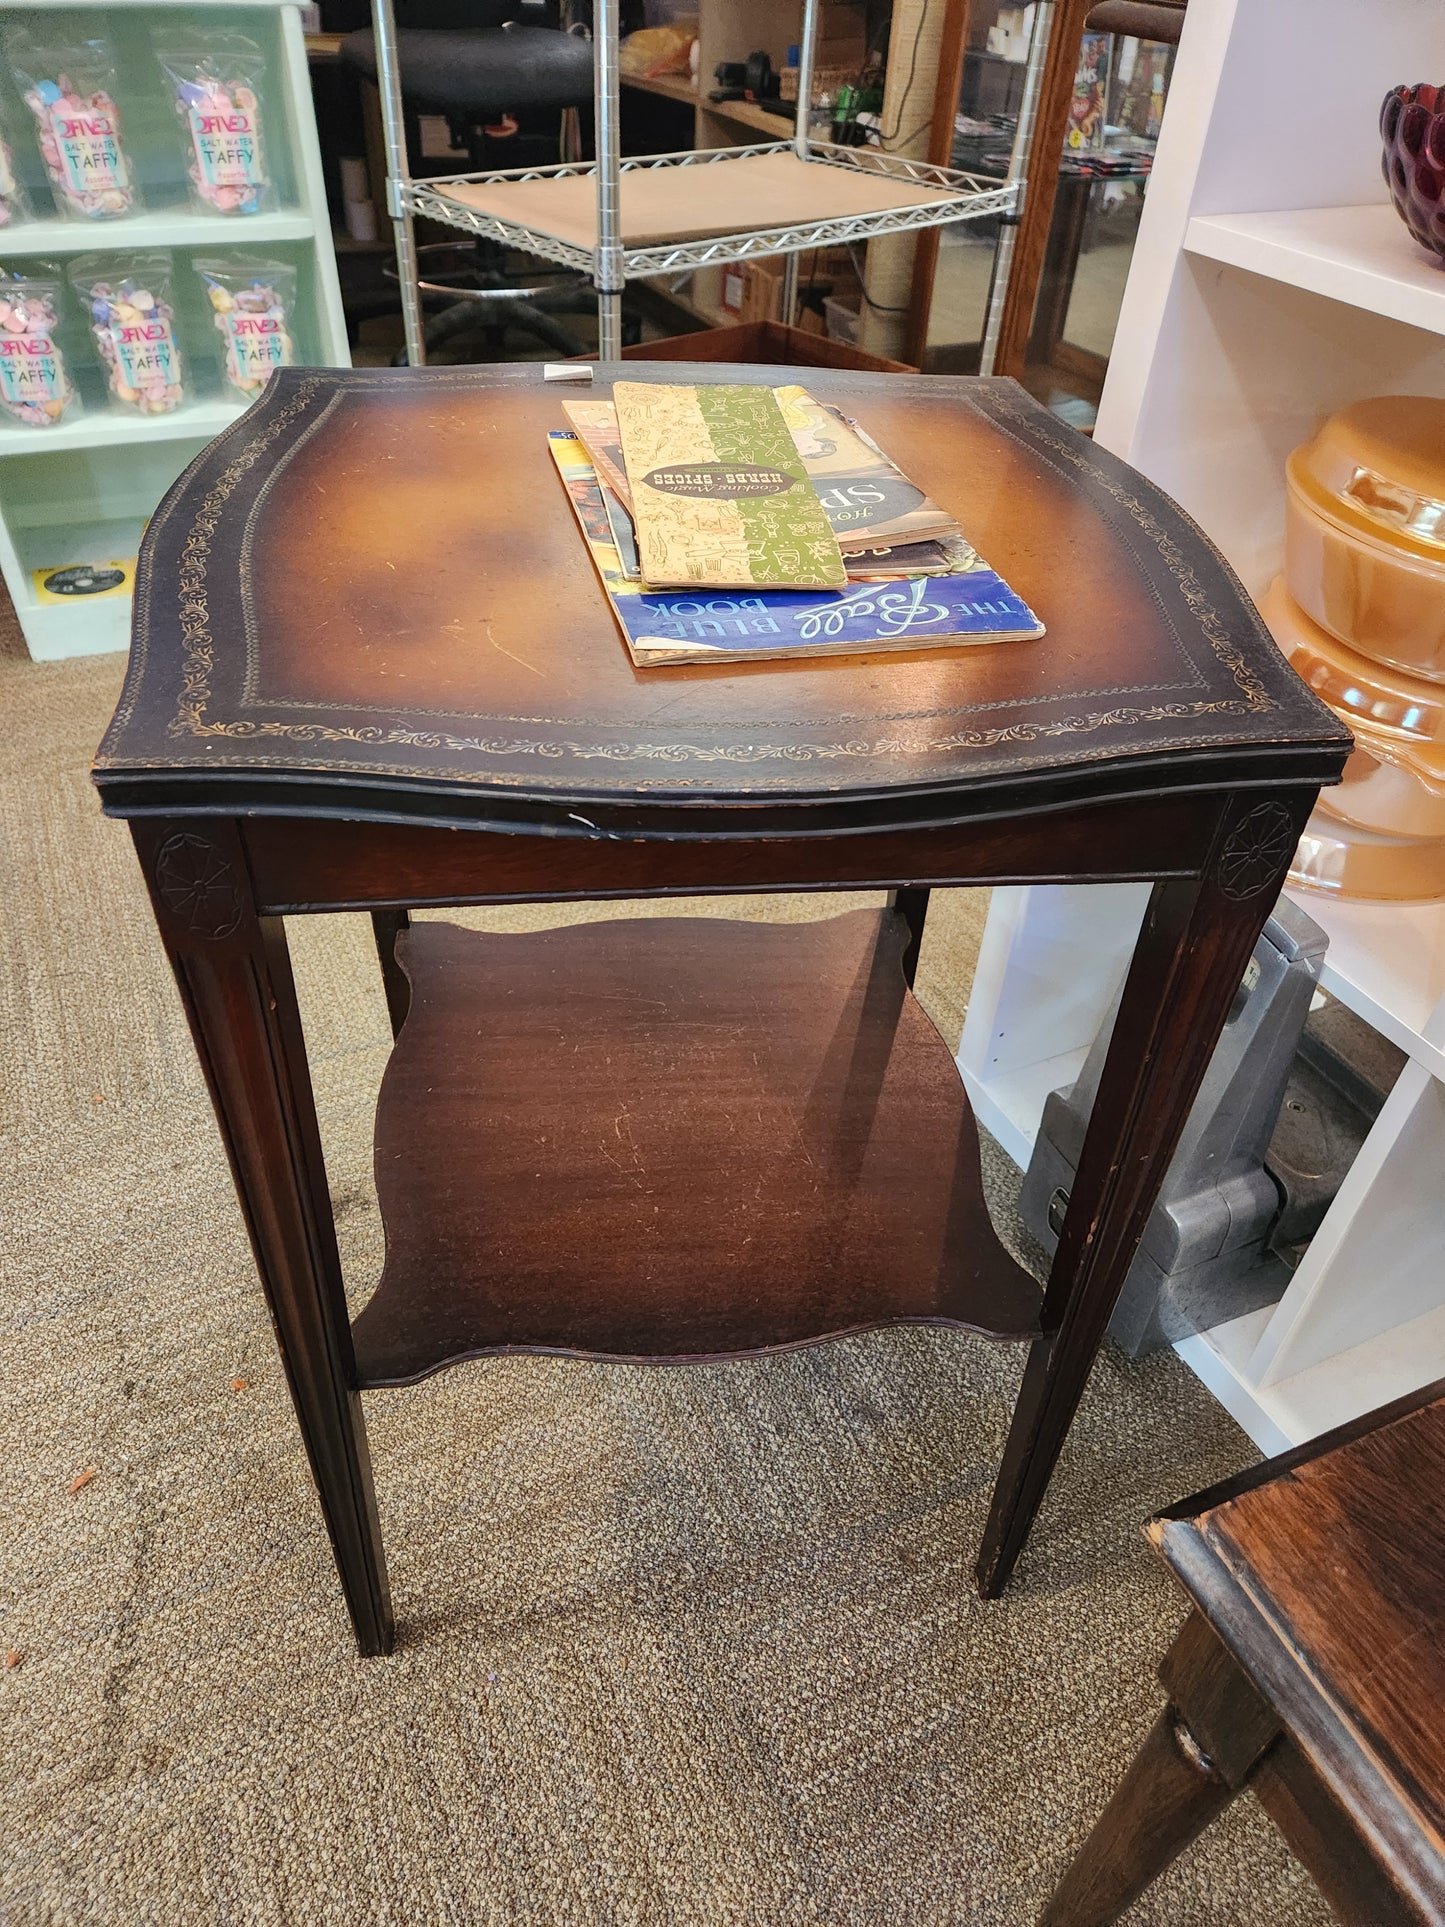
x=369, y=596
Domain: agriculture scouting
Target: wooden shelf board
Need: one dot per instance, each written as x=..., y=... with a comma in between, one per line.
x=1363, y=256
x=747, y=113
x=672, y=1138
x=742, y=113
x=669, y=86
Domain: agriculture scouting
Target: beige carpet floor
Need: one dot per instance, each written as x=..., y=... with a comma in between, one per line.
x=686, y=1646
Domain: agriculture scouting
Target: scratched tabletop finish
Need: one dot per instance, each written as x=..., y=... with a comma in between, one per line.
x=372, y=586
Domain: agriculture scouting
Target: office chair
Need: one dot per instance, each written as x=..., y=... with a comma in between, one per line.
x=503, y=73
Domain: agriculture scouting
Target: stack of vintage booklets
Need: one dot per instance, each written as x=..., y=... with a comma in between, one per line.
x=732, y=523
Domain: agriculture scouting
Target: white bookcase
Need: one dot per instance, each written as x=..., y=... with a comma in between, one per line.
x=82, y=491
x=1272, y=283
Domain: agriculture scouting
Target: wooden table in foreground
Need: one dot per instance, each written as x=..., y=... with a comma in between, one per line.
x=1311, y=1669
x=372, y=669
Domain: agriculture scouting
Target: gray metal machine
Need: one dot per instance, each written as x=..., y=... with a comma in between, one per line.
x=1209, y=1249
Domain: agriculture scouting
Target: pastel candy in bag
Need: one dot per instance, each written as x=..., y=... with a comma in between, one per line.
x=132, y=320
x=252, y=304
x=216, y=84
x=69, y=87
x=35, y=389
x=14, y=204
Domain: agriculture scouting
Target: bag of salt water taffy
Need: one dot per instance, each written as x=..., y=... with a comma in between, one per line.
x=14, y=202
x=34, y=387
x=127, y=298
x=252, y=305
x=69, y=87
x=216, y=82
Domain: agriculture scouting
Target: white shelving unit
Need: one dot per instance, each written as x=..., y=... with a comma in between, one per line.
x=82, y=491
x=1272, y=283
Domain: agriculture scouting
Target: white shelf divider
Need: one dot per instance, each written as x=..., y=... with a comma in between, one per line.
x=1344, y=1386
x=166, y=227
x=1364, y=256
x=1386, y=1220
x=110, y=428
x=1386, y=962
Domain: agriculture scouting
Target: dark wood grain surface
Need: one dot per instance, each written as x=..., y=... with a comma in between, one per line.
x=365, y=622
x=674, y=1136
x=1347, y=1557
x=1327, y=1581
x=1200, y=1751
x=376, y=575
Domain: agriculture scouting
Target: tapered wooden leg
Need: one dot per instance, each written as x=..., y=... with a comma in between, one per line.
x=1192, y=952
x=1168, y=1796
x=1199, y=1753
x=912, y=906
x=234, y=974
x=387, y=926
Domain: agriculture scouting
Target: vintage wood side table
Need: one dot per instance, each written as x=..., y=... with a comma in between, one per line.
x=1311, y=1669
x=372, y=670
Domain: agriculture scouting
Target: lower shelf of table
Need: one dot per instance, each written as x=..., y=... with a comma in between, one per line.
x=673, y=1138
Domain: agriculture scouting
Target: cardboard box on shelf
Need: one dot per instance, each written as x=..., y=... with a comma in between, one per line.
x=842, y=320
x=763, y=294
x=733, y=289
x=842, y=20
x=764, y=341
x=1012, y=33
x=844, y=286
x=842, y=35
x=752, y=290
x=826, y=80
x=832, y=264
x=841, y=50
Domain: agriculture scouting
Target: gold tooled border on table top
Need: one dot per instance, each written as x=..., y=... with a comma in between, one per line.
x=191, y=718
x=253, y=699
x=1040, y=426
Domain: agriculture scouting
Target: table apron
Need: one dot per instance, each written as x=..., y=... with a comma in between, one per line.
x=302, y=864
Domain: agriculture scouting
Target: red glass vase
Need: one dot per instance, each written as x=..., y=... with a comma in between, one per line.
x=1412, y=124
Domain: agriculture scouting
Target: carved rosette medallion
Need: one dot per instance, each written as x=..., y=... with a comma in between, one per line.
x=199, y=885
x=1258, y=846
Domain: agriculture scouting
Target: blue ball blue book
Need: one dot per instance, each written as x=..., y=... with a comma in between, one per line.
x=968, y=606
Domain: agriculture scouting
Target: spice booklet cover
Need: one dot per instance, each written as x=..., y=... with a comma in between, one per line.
x=720, y=496
x=883, y=523
x=661, y=627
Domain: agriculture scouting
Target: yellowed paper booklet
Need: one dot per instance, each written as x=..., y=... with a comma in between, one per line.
x=720, y=495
